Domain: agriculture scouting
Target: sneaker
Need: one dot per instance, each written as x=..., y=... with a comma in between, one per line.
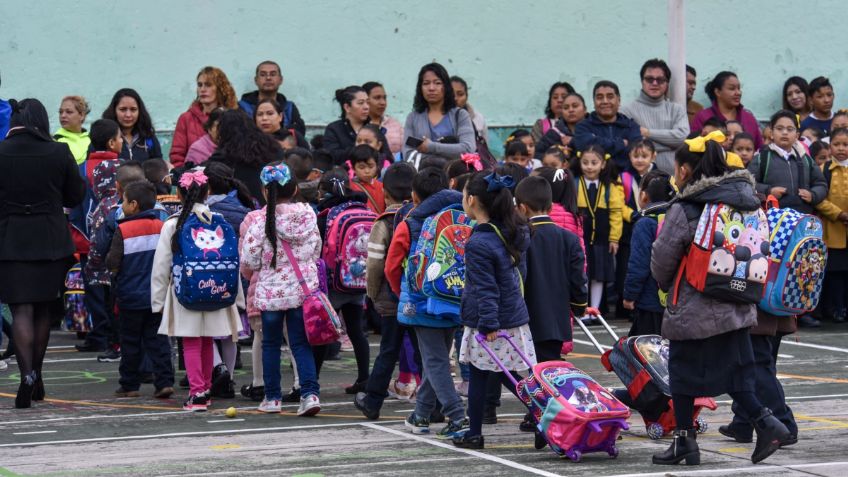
x=356, y=387
x=196, y=403
x=347, y=346
x=453, y=429
x=402, y=391
x=293, y=396
x=309, y=406
x=123, y=392
x=462, y=389
x=273, y=405
x=110, y=356
x=89, y=348
x=164, y=393
x=417, y=425
x=208, y=395
x=3, y=365
x=254, y=393
x=359, y=403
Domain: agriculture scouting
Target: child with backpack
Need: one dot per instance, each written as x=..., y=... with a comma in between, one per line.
x=363, y=160
x=834, y=213
x=641, y=293
x=397, y=184
x=156, y=171
x=289, y=234
x=130, y=260
x=492, y=300
x=197, y=304
x=434, y=331
x=564, y=210
x=345, y=222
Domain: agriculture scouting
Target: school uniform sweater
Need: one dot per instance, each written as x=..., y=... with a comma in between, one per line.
x=602, y=220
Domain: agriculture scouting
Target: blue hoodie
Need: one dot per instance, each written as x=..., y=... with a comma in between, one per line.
x=5, y=118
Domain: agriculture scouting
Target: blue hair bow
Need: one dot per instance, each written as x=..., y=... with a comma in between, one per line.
x=497, y=182
x=279, y=173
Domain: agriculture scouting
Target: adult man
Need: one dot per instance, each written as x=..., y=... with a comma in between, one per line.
x=607, y=127
x=662, y=121
x=692, y=107
x=269, y=79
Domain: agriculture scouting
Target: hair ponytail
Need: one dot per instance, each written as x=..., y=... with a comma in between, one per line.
x=192, y=194
x=710, y=163
x=498, y=203
x=274, y=193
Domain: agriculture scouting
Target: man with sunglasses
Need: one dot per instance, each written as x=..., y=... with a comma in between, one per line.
x=660, y=120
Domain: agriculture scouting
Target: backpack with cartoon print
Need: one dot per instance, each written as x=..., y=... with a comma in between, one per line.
x=728, y=259
x=345, y=249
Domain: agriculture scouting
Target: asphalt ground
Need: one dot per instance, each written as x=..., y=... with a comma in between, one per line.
x=82, y=430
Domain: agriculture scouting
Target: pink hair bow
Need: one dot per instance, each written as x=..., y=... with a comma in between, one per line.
x=187, y=179
x=472, y=159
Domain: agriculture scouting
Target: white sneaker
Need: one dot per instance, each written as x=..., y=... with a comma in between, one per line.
x=274, y=405
x=3, y=365
x=309, y=406
x=401, y=391
x=347, y=346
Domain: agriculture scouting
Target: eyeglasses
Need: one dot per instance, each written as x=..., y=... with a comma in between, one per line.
x=655, y=80
x=785, y=129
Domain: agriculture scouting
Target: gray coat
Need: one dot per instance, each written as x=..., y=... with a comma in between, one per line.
x=799, y=172
x=696, y=316
x=418, y=125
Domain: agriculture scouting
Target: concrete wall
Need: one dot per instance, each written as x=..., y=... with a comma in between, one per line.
x=510, y=52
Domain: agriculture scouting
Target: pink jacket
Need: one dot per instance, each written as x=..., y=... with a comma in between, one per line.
x=200, y=151
x=744, y=116
x=394, y=133
x=189, y=129
x=278, y=288
x=569, y=222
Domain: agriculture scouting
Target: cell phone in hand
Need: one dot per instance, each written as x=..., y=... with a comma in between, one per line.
x=414, y=142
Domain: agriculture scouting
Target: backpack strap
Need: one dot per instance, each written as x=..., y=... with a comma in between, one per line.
x=764, y=169
x=296, y=268
x=627, y=183
x=362, y=189
x=287, y=120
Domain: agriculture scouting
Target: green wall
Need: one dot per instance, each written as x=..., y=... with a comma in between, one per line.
x=509, y=52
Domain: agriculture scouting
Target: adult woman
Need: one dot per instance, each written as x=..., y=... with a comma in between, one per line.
x=268, y=117
x=725, y=93
x=710, y=349
x=795, y=97
x=573, y=111
x=340, y=135
x=553, y=110
x=242, y=146
x=460, y=93
x=213, y=90
x=443, y=129
x=38, y=177
x=72, y=114
x=140, y=141
x=389, y=126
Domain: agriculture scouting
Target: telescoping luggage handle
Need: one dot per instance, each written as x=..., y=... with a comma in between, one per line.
x=596, y=314
x=481, y=338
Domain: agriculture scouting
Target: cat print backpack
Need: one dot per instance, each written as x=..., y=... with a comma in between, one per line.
x=346, y=246
x=797, y=262
x=728, y=259
x=206, y=268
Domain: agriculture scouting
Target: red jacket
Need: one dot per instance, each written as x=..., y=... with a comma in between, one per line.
x=92, y=161
x=189, y=129
x=398, y=250
x=374, y=191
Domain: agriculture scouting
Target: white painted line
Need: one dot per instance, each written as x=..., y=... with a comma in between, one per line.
x=798, y=398
x=589, y=343
x=444, y=445
x=180, y=434
x=71, y=360
x=33, y=432
x=752, y=469
x=785, y=356
x=60, y=347
x=816, y=346
x=225, y=420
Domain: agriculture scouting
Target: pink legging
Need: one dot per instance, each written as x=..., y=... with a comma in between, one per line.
x=198, y=354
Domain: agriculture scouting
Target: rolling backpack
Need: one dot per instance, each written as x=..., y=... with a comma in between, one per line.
x=728, y=259
x=797, y=262
x=346, y=246
x=76, y=317
x=206, y=268
x=438, y=264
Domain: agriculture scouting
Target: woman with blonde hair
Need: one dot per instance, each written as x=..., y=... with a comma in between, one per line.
x=72, y=113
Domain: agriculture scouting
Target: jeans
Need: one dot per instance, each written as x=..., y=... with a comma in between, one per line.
x=391, y=346
x=105, y=327
x=272, y=340
x=434, y=345
x=140, y=337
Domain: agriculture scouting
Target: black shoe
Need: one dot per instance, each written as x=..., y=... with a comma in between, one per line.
x=807, y=321
x=468, y=442
x=220, y=381
x=728, y=431
x=147, y=378
x=770, y=433
x=539, y=441
x=254, y=393
x=110, y=356
x=528, y=424
x=38, y=391
x=228, y=391
x=293, y=396
x=490, y=415
x=89, y=348
x=356, y=387
x=790, y=441
x=436, y=417
x=184, y=382
x=24, y=398
x=684, y=447
x=359, y=402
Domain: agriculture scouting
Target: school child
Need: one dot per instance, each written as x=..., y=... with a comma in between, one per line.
x=713, y=124
x=640, y=292
x=743, y=146
x=564, y=202
x=492, y=302
x=363, y=159
x=301, y=164
x=371, y=135
x=435, y=333
x=555, y=157
x=523, y=136
x=821, y=97
x=255, y=391
x=733, y=128
x=811, y=134
x=517, y=152
x=820, y=152
x=289, y=234
x=197, y=328
x=600, y=201
x=397, y=184
x=834, y=213
x=156, y=171
x=130, y=261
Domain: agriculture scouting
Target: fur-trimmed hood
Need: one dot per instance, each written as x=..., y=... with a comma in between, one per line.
x=734, y=188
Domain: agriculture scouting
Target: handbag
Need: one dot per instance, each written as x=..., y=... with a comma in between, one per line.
x=319, y=318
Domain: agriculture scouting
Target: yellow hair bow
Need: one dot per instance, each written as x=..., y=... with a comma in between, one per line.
x=699, y=144
x=733, y=160
x=607, y=157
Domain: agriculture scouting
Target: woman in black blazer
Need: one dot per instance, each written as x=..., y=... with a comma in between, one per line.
x=38, y=177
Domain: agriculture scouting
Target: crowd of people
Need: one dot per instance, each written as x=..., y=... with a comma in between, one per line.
x=586, y=210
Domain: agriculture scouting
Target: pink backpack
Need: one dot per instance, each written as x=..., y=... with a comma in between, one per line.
x=346, y=246
x=319, y=318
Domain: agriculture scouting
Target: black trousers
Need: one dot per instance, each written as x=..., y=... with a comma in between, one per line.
x=140, y=336
x=391, y=345
x=548, y=350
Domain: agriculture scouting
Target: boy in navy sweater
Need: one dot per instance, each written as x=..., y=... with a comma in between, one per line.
x=641, y=292
x=130, y=259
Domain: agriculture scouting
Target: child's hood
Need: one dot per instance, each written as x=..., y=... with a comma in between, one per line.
x=104, y=180
x=295, y=221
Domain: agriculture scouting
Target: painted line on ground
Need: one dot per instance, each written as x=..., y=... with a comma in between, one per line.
x=60, y=347
x=101, y=404
x=589, y=343
x=796, y=398
x=816, y=346
x=71, y=360
x=785, y=356
x=218, y=421
x=840, y=424
x=812, y=378
x=451, y=447
x=33, y=432
x=752, y=469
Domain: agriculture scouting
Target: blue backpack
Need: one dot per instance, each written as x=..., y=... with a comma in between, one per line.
x=206, y=268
